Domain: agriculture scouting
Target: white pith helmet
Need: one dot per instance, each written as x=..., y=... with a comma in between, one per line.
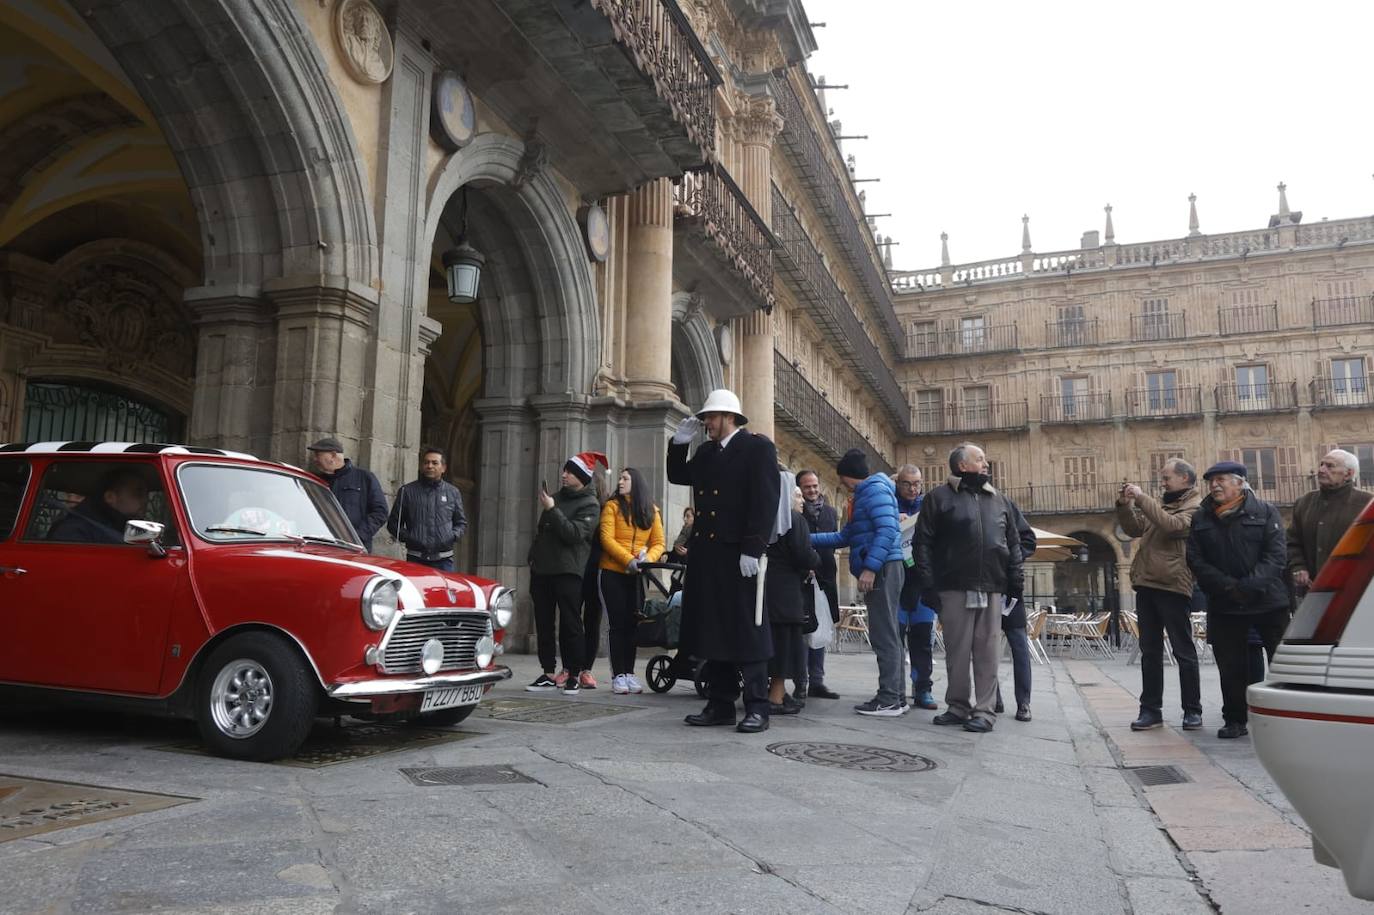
x=722, y=401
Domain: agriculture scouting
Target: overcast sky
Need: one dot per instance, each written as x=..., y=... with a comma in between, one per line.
x=980, y=112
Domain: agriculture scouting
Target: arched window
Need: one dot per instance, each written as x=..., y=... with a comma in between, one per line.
x=60, y=412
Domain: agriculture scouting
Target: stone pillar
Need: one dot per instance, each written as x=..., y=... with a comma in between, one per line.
x=757, y=124
x=649, y=293
x=756, y=371
x=235, y=372
x=1125, y=594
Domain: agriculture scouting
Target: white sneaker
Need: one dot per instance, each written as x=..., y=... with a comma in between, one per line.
x=632, y=684
x=619, y=686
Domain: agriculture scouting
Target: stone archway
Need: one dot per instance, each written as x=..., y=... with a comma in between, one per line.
x=1091, y=585
x=540, y=338
x=697, y=370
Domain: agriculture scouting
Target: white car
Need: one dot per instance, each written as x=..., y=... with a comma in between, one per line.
x=1312, y=721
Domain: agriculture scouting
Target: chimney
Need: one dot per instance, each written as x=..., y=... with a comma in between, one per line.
x=1090, y=240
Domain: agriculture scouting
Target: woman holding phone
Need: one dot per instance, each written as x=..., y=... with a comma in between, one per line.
x=631, y=533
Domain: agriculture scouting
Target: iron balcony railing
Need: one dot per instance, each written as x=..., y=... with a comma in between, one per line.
x=976, y=416
x=666, y=50
x=966, y=341
x=1355, y=309
x=1284, y=490
x=1268, y=397
x=1164, y=403
x=1072, y=333
x=1076, y=408
x=1097, y=497
x=1248, y=319
x=835, y=200
x=1156, y=325
x=1342, y=392
x=711, y=200
x=808, y=414
x=797, y=257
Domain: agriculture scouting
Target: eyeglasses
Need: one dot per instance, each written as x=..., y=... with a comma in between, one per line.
x=908, y=482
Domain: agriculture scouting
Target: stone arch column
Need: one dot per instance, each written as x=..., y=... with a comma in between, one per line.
x=696, y=360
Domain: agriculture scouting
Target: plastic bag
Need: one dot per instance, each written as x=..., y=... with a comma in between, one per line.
x=825, y=629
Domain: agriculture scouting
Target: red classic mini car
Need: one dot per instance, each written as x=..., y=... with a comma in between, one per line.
x=212, y=585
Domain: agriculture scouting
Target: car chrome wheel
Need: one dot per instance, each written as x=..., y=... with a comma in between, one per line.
x=241, y=698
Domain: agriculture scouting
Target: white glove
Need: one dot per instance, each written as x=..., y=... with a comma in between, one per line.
x=748, y=566
x=643, y=555
x=632, y=567
x=686, y=430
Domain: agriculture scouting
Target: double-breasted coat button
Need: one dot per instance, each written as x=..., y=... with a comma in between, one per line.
x=715, y=492
x=701, y=492
x=713, y=536
x=713, y=514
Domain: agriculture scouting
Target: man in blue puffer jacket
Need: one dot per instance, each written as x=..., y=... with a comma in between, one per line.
x=875, y=558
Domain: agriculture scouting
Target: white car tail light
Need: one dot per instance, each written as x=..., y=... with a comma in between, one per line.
x=1325, y=611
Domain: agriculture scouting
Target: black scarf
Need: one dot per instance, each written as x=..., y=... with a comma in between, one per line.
x=972, y=479
x=1171, y=497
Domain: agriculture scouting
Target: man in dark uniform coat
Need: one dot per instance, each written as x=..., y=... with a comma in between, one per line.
x=735, y=486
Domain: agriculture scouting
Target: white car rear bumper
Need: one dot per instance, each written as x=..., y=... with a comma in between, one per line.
x=1318, y=746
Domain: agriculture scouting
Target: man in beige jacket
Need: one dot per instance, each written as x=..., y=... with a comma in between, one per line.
x=1164, y=589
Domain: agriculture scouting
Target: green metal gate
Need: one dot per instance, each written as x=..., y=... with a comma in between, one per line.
x=55, y=412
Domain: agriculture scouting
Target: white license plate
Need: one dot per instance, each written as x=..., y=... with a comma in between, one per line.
x=450, y=697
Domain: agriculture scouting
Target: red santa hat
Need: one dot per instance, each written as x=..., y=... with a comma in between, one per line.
x=583, y=464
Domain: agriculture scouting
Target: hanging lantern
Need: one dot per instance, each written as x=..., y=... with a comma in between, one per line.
x=463, y=266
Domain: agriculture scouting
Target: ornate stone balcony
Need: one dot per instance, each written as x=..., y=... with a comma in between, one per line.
x=830, y=309
x=1151, y=326
x=809, y=414
x=1248, y=319
x=1072, y=333
x=623, y=89
x=976, y=416
x=966, y=341
x=710, y=209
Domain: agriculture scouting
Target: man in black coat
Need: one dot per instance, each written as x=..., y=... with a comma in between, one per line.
x=1238, y=552
x=358, y=492
x=821, y=518
x=735, y=487
x=428, y=515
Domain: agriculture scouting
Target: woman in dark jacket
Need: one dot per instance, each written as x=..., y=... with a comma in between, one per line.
x=790, y=562
x=1237, y=551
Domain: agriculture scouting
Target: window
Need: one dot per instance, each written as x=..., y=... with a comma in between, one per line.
x=90, y=501
x=1080, y=472
x=1341, y=289
x=14, y=474
x=1073, y=391
x=995, y=474
x=1154, y=319
x=977, y=406
x=924, y=339
x=1071, y=328
x=1252, y=385
x=1157, y=461
x=1348, y=379
x=930, y=410
x=1261, y=467
x=1161, y=391
x=972, y=333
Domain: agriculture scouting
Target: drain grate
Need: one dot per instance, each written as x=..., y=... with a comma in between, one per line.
x=852, y=756
x=1150, y=776
x=467, y=775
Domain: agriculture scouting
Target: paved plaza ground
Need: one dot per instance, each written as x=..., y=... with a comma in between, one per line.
x=609, y=804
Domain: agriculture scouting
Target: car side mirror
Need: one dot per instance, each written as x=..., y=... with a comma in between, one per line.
x=149, y=532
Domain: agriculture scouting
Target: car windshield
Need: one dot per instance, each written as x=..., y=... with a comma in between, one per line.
x=232, y=504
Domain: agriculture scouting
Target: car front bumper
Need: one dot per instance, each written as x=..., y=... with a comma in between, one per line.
x=371, y=689
x=1317, y=745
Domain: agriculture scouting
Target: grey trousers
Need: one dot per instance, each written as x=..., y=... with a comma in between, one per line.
x=971, y=636
x=883, y=633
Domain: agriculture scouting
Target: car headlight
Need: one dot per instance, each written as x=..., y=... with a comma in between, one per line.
x=381, y=600
x=486, y=650
x=503, y=607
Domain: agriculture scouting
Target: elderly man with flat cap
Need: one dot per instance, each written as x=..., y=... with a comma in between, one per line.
x=735, y=487
x=358, y=492
x=1238, y=553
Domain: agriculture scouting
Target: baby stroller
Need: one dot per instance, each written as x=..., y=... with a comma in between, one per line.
x=660, y=626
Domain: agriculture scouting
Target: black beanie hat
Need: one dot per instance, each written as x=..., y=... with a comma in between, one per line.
x=854, y=464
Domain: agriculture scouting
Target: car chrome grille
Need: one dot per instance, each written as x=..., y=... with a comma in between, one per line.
x=459, y=631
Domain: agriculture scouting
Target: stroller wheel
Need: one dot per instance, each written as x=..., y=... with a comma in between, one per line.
x=658, y=675
x=699, y=676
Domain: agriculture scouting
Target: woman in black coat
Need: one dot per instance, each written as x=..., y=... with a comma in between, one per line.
x=791, y=561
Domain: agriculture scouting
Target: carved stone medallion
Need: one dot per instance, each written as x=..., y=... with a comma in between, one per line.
x=364, y=42
x=455, y=117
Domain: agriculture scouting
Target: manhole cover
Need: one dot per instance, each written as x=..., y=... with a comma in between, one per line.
x=328, y=745
x=29, y=806
x=467, y=775
x=852, y=756
x=548, y=711
x=1149, y=776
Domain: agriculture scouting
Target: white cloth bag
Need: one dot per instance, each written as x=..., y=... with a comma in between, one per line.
x=825, y=629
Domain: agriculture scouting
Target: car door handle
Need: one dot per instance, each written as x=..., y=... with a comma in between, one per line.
x=12, y=571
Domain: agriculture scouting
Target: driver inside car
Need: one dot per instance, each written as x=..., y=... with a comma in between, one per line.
x=121, y=496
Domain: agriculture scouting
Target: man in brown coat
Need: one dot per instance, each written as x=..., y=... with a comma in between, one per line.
x=1320, y=518
x=1164, y=589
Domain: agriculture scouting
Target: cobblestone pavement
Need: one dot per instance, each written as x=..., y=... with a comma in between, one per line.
x=609, y=804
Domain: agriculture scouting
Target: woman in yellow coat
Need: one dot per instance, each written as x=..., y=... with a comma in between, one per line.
x=631, y=533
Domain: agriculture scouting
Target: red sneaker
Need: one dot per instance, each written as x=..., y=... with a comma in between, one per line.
x=586, y=680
